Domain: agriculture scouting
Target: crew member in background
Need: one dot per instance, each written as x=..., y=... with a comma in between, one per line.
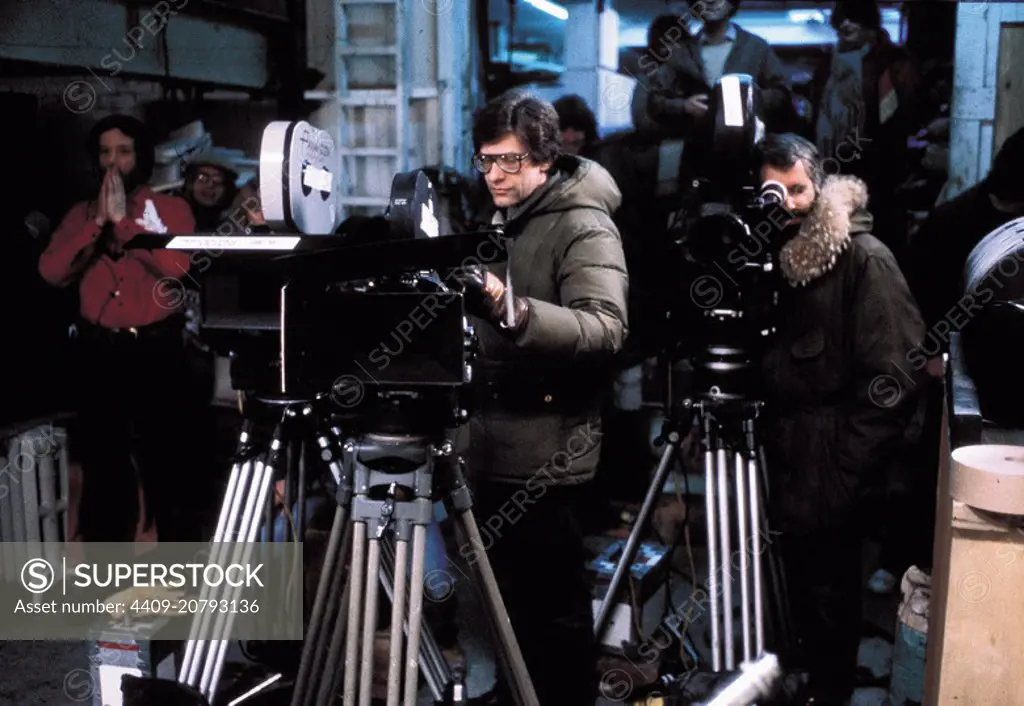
x=131, y=383
x=866, y=106
x=935, y=271
x=535, y=437
x=664, y=35
x=838, y=402
x=248, y=209
x=940, y=247
x=209, y=189
x=578, y=125
x=685, y=74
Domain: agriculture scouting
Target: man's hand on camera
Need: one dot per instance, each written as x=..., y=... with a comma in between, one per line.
x=486, y=297
x=696, y=106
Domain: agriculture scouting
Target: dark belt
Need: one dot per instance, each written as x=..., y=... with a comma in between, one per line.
x=88, y=331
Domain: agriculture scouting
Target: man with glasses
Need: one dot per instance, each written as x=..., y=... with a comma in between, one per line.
x=209, y=189
x=549, y=321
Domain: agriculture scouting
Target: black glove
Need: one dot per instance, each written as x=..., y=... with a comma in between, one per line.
x=486, y=297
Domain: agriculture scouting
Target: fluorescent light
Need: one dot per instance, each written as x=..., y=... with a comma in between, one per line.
x=551, y=8
x=805, y=16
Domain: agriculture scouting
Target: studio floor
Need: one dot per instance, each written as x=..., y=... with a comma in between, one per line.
x=53, y=673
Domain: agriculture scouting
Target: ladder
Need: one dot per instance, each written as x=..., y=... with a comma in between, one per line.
x=371, y=135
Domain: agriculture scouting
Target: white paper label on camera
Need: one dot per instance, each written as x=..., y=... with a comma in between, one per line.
x=315, y=178
x=732, y=102
x=244, y=242
x=428, y=222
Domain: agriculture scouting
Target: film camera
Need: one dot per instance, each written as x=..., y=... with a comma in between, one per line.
x=373, y=318
x=726, y=240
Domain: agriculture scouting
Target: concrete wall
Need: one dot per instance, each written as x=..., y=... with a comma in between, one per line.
x=107, y=39
x=978, y=90
x=49, y=165
x=592, y=67
x=64, y=64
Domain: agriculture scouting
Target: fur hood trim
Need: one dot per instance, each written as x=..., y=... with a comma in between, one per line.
x=826, y=233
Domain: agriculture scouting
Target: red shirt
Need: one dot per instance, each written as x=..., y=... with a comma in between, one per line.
x=143, y=286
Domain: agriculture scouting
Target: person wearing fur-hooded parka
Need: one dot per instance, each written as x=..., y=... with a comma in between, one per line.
x=840, y=395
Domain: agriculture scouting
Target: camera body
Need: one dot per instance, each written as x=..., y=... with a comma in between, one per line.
x=724, y=237
x=370, y=320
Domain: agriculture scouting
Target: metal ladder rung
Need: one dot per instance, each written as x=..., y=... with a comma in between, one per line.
x=381, y=101
x=396, y=100
x=356, y=99
x=382, y=201
x=370, y=151
x=391, y=50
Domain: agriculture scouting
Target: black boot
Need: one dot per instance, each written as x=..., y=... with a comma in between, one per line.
x=145, y=691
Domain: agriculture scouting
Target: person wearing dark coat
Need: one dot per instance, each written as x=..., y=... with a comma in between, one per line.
x=535, y=435
x=839, y=397
x=683, y=74
x=940, y=248
x=867, y=104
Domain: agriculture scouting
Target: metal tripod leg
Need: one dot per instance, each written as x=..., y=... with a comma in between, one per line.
x=226, y=520
x=742, y=519
x=333, y=668
x=459, y=505
x=241, y=507
x=419, y=541
x=251, y=521
x=754, y=493
x=725, y=535
x=758, y=478
x=371, y=589
x=431, y=660
x=355, y=604
x=325, y=607
x=711, y=516
x=633, y=543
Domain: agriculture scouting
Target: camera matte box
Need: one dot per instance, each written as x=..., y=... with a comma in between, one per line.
x=396, y=340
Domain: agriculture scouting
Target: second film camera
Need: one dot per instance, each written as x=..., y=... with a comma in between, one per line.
x=727, y=237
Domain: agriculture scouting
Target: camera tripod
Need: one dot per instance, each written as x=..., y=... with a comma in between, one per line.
x=385, y=489
x=735, y=489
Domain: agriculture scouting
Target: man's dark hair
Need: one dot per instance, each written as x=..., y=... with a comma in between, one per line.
x=575, y=114
x=866, y=13
x=661, y=25
x=783, y=151
x=534, y=121
x=697, y=8
x=1004, y=180
x=135, y=129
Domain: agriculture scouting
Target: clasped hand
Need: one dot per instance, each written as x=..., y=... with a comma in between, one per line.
x=113, y=207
